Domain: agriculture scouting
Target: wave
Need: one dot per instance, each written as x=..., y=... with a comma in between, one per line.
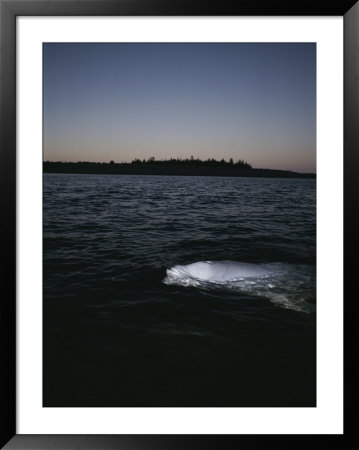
x=290, y=286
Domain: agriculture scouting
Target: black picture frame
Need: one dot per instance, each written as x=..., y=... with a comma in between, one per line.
x=9, y=10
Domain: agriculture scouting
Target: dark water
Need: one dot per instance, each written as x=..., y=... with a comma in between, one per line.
x=118, y=332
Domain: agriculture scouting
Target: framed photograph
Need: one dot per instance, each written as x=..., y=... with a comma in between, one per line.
x=173, y=187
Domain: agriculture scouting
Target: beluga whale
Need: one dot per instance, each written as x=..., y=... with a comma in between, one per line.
x=285, y=284
x=219, y=271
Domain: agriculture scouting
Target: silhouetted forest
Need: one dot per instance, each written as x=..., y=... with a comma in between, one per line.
x=210, y=162
x=173, y=166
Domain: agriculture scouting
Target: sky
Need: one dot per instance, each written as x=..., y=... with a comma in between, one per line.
x=121, y=101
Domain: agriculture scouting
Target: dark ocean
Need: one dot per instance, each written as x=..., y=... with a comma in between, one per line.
x=128, y=321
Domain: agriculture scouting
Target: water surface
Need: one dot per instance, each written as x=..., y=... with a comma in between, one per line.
x=118, y=331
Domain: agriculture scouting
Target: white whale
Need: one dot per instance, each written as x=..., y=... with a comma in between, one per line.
x=286, y=285
x=219, y=271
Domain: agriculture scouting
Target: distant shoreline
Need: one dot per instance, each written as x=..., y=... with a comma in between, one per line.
x=168, y=169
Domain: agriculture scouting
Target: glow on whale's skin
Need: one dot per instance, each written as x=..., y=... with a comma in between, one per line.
x=220, y=271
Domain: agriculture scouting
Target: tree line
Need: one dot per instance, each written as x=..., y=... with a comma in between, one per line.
x=210, y=162
x=152, y=161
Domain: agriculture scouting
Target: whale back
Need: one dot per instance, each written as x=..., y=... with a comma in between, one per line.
x=221, y=270
x=281, y=283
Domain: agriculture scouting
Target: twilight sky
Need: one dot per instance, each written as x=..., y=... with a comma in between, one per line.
x=118, y=102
